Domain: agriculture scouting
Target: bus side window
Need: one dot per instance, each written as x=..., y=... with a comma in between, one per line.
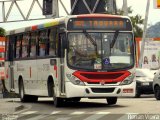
x=34, y=39
x=43, y=37
x=6, y=48
x=18, y=46
x=25, y=43
x=52, y=42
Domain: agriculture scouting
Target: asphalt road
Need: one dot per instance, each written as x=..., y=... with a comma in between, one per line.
x=145, y=108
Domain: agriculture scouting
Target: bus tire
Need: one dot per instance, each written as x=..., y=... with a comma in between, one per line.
x=58, y=102
x=23, y=97
x=50, y=87
x=138, y=94
x=111, y=100
x=157, y=92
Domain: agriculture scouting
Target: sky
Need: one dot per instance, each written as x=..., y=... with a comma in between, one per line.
x=138, y=6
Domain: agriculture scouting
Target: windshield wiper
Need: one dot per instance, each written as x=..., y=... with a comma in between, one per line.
x=114, y=38
x=90, y=39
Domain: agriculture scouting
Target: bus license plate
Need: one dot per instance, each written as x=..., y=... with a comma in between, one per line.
x=146, y=84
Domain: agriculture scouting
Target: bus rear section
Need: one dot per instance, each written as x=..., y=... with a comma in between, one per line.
x=84, y=56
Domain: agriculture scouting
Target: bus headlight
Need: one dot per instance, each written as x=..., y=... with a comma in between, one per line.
x=128, y=80
x=74, y=79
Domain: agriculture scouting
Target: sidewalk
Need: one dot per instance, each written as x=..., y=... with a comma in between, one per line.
x=9, y=106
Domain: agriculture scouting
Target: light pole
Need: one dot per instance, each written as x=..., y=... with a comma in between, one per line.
x=144, y=33
x=125, y=9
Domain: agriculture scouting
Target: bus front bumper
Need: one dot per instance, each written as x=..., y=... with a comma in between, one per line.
x=100, y=91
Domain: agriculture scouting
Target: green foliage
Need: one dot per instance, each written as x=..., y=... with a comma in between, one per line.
x=137, y=22
x=2, y=32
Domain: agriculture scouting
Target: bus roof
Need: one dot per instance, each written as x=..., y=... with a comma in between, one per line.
x=58, y=21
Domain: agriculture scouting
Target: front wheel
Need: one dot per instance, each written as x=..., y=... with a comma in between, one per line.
x=58, y=102
x=138, y=94
x=157, y=92
x=111, y=100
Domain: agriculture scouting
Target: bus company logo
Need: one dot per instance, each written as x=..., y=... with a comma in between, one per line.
x=102, y=82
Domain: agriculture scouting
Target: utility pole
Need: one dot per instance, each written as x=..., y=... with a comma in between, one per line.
x=144, y=34
x=125, y=8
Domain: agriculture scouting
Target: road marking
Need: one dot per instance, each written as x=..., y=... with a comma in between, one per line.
x=77, y=113
x=55, y=112
x=37, y=117
x=28, y=112
x=97, y=115
x=64, y=118
x=102, y=113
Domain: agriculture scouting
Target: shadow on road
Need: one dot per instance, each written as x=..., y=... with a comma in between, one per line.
x=82, y=105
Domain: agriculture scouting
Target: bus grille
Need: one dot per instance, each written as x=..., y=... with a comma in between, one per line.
x=102, y=90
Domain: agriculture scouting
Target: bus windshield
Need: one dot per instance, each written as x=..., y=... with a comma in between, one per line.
x=100, y=51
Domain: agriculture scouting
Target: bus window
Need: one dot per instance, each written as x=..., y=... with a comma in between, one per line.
x=43, y=37
x=25, y=43
x=6, y=48
x=1, y=64
x=18, y=46
x=52, y=42
x=34, y=37
x=1, y=55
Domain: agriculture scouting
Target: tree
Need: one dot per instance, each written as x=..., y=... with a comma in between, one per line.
x=2, y=32
x=137, y=22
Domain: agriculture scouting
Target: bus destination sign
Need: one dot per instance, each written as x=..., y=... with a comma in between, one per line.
x=99, y=24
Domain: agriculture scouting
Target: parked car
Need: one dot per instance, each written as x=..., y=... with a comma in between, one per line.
x=144, y=81
x=156, y=85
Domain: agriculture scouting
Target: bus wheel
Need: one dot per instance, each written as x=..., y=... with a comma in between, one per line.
x=138, y=94
x=111, y=100
x=23, y=97
x=157, y=92
x=58, y=102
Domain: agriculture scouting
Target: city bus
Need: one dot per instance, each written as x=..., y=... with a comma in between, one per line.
x=2, y=51
x=78, y=56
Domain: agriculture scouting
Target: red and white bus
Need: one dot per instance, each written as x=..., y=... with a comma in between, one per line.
x=2, y=51
x=79, y=56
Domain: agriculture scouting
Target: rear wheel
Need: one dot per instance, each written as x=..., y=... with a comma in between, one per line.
x=157, y=92
x=23, y=96
x=111, y=100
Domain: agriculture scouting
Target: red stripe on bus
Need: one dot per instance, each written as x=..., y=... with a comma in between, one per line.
x=98, y=16
x=7, y=73
x=34, y=27
x=1, y=58
x=107, y=77
x=55, y=68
